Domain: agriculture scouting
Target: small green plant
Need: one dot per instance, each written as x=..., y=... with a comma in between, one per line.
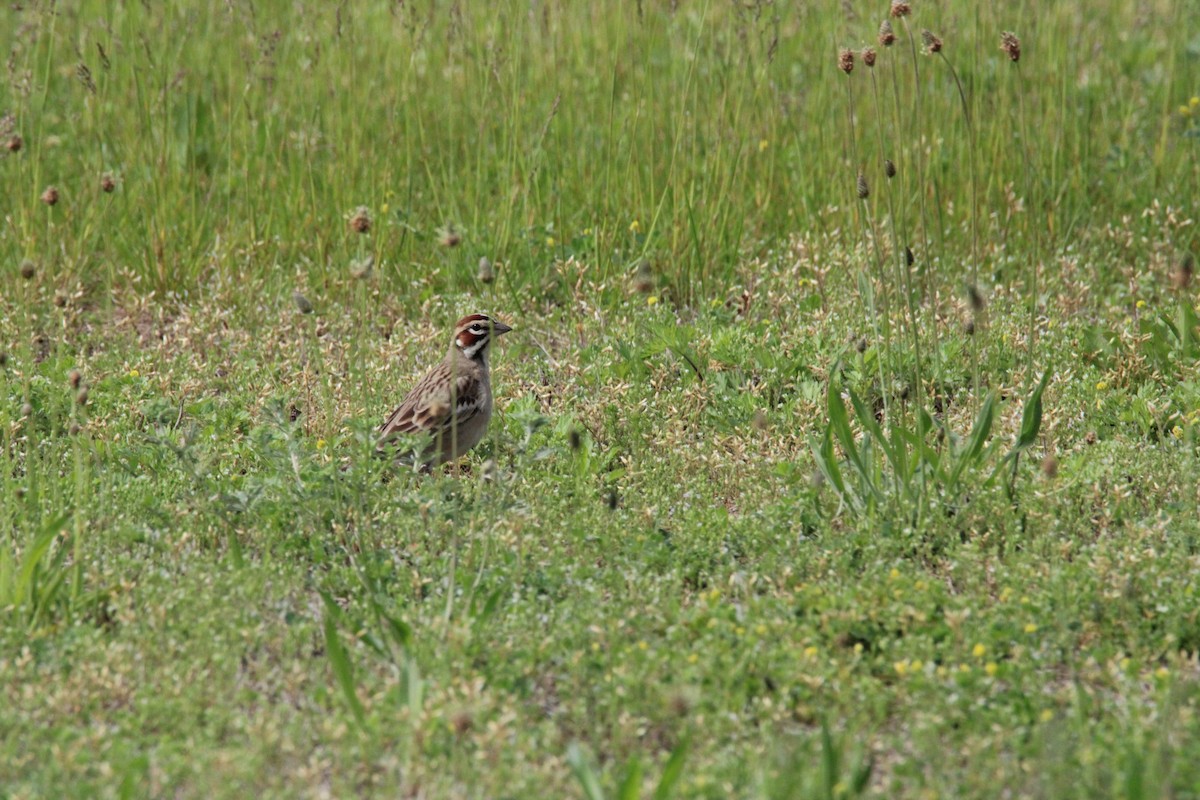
x=32, y=580
x=897, y=471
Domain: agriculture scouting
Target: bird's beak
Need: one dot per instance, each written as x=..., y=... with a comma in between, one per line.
x=499, y=327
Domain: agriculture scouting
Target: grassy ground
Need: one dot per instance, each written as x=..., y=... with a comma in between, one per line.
x=806, y=480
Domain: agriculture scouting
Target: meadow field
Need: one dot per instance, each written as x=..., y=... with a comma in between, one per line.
x=847, y=438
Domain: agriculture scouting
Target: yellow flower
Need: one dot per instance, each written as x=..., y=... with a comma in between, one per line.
x=634, y=226
x=1185, y=111
x=894, y=574
x=320, y=444
x=1162, y=673
x=1195, y=101
x=763, y=144
x=760, y=629
x=550, y=241
x=642, y=645
x=1031, y=627
x=901, y=668
x=383, y=209
x=693, y=658
x=811, y=651
x=651, y=300
x=991, y=668
x=1141, y=304
x=739, y=630
x=979, y=651
x=133, y=373
x=1101, y=386
x=916, y=665
x=1047, y=715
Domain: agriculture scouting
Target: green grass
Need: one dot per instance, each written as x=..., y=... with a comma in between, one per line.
x=771, y=510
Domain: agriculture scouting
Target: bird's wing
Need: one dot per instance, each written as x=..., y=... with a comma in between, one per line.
x=433, y=411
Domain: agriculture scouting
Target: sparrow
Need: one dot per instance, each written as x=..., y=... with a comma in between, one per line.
x=452, y=404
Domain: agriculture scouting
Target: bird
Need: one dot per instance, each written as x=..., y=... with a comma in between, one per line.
x=452, y=404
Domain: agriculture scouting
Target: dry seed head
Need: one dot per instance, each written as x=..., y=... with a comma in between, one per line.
x=82, y=397
x=14, y=143
x=487, y=272
x=900, y=9
x=26, y=409
x=50, y=196
x=864, y=191
x=868, y=56
x=27, y=269
x=932, y=43
x=73, y=429
x=861, y=344
x=1050, y=467
x=489, y=470
x=360, y=220
x=574, y=439
x=108, y=183
x=450, y=237
x=60, y=299
x=887, y=36
x=74, y=377
x=969, y=327
x=889, y=168
x=610, y=498
x=360, y=268
x=909, y=258
x=3, y=359
x=976, y=298
x=1011, y=45
x=643, y=279
x=302, y=303
x=760, y=421
x=1181, y=278
x=846, y=60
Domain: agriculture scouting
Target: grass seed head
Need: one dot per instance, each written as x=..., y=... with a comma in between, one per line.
x=900, y=9
x=846, y=60
x=489, y=471
x=887, y=35
x=868, y=56
x=976, y=298
x=81, y=398
x=1050, y=467
x=969, y=327
x=75, y=378
x=360, y=220
x=1011, y=45
x=1181, y=278
x=860, y=185
x=487, y=271
x=14, y=143
x=50, y=196
x=889, y=168
x=861, y=344
x=302, y=303
x=27, y=269
x=60, y=299
x=73, y=429
x=26, y=410
x=574, y=439
x=3, y=359
x=108, y=183
x=449, y=236
x=360, y=268
x=932, y=43
x=643, y=278
x=611, y=499
x=909, y=258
